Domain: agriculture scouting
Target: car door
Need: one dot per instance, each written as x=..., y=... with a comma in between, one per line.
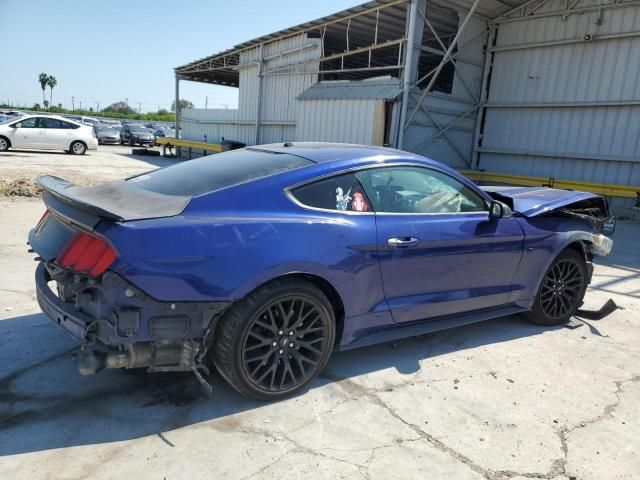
x=57, y=135
x=24, y=133
x=440, y=251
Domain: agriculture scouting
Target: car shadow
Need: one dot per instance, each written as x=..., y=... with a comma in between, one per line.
x=45, y=403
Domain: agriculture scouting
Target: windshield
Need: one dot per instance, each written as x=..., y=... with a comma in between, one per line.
x=214, y=172
x=137, y=129
x=106, y=129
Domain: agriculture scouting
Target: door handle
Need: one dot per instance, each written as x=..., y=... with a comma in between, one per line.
x=403, y=242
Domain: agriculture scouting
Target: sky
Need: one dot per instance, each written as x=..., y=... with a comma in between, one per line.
x=105, y=51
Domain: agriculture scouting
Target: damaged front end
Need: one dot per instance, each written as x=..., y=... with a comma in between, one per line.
x=590, y=208
x=120, y=326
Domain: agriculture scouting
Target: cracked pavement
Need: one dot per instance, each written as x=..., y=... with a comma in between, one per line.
x=497, y=400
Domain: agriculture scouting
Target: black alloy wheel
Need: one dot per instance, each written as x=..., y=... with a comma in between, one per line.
x=285, y=344
x=561, y=290
x=276, y=340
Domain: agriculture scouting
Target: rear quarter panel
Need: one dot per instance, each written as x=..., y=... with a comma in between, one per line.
x=225, y=245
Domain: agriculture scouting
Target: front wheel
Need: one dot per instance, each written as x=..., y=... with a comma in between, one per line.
x=561, y=291
x=78, y=148
x=4, y=144
x=276, y=340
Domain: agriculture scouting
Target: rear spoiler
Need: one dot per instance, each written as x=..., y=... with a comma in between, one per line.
x=118, y=201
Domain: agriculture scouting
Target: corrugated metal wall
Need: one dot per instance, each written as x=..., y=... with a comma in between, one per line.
x=455, y=146
x=569, y=111
x=279, y=94
x=349, y=121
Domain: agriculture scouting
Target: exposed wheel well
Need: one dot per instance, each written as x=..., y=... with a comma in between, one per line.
x=580, y=247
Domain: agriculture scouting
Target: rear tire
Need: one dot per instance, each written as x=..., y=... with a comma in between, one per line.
x=277, y=339
x=561, y=291
x=78, y=148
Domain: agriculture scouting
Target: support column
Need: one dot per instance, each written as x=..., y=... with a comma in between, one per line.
x=259, y=102
x=178, y=150
x=484, y=93
x=410, y=71
x=177, y=105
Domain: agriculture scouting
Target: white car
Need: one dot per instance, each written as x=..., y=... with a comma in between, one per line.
x=49, y=132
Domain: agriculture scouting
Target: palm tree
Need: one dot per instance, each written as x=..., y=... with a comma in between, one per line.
x=43, y=78
x=52, y=82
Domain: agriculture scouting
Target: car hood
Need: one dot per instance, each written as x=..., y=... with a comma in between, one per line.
x=534, y=201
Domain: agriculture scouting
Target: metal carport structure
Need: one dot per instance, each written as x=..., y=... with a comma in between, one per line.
x=506, y=86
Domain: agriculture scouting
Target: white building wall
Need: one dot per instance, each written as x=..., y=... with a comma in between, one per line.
x=296, y=55
x=568, y=111
x=348, y=121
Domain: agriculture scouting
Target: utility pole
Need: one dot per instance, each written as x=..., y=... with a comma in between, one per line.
x=126, y=100
x=73, y=104
x=206, y=102
x=97, y=106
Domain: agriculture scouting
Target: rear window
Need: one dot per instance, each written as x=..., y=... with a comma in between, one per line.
x=214, y=172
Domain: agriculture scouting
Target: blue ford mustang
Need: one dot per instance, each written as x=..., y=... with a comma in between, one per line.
x=261, y=261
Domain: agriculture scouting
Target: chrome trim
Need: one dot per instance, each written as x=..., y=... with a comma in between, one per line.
x=288, y=190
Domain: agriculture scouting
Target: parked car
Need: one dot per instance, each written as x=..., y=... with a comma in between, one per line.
x=49, y=132
x=86, y=120
x=107, y=134
x=164, y=132
x=265, y=259
x=136, y=134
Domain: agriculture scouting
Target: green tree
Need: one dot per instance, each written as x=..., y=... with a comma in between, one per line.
x=119, y=107
x=51, y=82
x=43, y=78
x=183, y=104
x=36, y=107
x=46, y=105
x=163, y=111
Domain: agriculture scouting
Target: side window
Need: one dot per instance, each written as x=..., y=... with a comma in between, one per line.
x=418, y=190
x=52, y=123
x=342, y=193
x=28, y=123
x=67, y=125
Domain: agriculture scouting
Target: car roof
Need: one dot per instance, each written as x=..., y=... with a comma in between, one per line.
x=321, y=152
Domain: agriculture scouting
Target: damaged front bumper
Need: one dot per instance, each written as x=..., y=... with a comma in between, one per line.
x=120, y=326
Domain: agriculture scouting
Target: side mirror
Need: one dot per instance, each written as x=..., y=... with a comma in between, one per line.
x=17, y=125
x=499, y=210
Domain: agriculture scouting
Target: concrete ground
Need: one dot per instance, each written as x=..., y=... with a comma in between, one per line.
x=501, y=399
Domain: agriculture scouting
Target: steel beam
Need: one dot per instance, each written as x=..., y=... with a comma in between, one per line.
x=585, y=104
x=565, y=12
x=259, y=100
x=484, y=94
x=557, y=155
x=444, y=61
x=569, y=41
x=440, y=129
x=177, y=92
x=411, y=66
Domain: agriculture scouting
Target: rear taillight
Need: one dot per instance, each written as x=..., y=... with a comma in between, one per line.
x=88, y=254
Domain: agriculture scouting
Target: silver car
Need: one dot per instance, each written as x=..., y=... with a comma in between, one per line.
x=47, y=133
x=107, y=134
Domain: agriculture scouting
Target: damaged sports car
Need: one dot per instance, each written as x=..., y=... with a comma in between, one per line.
x=262, y=261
